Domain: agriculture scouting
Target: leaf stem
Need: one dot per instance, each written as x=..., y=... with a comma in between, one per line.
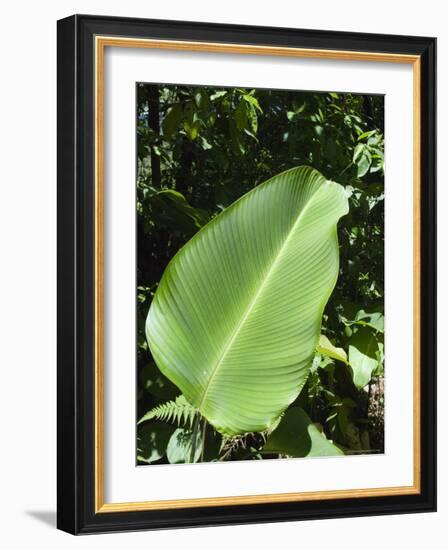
x=204, y=432
x=194, y=437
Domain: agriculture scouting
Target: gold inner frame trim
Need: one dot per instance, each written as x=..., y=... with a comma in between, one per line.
x=101, y=42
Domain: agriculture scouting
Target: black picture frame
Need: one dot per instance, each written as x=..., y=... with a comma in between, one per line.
x=76, y=256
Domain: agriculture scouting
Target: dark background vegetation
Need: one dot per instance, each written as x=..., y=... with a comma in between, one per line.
x=199, y=149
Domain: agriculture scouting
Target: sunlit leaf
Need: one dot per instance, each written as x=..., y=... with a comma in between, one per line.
x=172, y=120
x=362, y=365
x=237, y=315
x=325, y=347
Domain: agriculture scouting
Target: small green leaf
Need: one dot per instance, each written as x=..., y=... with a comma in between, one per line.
x=366, y=134
x=364, y=162
x=362, y=366
x=172, y=120
x=205, y=144
x=358, y=151
x=218, y=95
x=201, y=99
x=179, y=446
x=253, y=102
x=325, y=347
x=192, y=130
x=379, y=371
x=241, y=116
x=252, y=118
x=374, y=320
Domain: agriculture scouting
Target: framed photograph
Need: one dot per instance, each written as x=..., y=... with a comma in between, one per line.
x=246, y=274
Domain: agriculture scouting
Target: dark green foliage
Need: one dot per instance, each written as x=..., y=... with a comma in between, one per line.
x=201, y=148
x=297, y=436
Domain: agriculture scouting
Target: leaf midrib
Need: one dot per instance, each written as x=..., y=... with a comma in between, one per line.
x=255, y=298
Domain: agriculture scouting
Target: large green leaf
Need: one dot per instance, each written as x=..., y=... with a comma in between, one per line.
x=297, y=436
x=237, y=315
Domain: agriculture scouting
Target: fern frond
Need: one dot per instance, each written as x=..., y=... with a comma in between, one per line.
x=178, y=412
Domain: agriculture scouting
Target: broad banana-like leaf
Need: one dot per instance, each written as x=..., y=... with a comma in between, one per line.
x=237, y=315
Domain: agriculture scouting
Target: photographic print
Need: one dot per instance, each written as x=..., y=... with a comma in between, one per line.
x=260, y=274
x=241, y=336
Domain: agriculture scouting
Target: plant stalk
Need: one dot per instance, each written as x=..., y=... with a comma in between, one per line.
x=194, y=437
